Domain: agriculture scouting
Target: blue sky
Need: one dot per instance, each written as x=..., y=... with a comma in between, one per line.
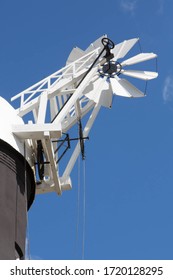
x=129, y=158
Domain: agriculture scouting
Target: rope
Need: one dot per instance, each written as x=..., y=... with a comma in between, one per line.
x=156, y=65
x=84, y=209
x=146, y=84
x=140, y=47
x=81, y=206
x=78, y=208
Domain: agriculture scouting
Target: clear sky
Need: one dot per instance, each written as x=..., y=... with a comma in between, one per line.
x=129, y=157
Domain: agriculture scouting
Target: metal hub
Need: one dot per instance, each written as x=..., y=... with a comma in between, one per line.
x=110, y=69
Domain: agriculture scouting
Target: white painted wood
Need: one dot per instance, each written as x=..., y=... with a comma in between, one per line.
x=123, y=88
x=36, y=131
x=143, y=75
x=86, y=131
x=58, y=101
x=138, y=58
x=120, y=50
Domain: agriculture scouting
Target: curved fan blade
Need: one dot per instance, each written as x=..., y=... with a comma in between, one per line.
x=96, y=44
x=123, y=48
x=138, y=58
x=123, y=88
x=99, y=91
x=144, y=75
x=74, y=55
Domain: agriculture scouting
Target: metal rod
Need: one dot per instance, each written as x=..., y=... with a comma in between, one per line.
x=106, y=47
